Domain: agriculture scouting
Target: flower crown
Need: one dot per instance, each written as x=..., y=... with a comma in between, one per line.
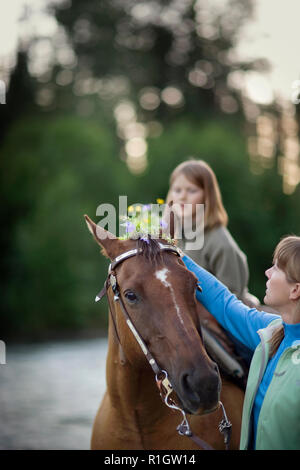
x=144, y=222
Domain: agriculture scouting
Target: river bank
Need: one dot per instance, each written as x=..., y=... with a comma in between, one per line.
x=50, y=392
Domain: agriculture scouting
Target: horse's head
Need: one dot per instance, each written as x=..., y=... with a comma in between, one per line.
x=158, y=292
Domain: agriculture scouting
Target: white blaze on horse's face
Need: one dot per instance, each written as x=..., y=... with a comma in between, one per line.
x=161, y=275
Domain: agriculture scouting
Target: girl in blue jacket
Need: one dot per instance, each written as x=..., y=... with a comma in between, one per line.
x=271, y=414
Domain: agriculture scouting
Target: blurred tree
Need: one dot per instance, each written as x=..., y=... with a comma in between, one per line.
x=174, y=60
x=52, y=172
x=259, y=214
x=20, y=95
x=55, y=170
x=19, y=103
x=167, y=56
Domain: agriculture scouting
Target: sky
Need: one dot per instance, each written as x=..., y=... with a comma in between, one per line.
x=273, y=34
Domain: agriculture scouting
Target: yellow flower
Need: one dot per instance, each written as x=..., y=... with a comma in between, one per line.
x=160, y=201
x=130, y=209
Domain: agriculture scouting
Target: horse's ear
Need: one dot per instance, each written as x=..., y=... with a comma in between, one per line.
x=110, y=244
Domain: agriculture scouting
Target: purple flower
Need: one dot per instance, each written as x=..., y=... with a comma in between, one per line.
x=163, y=224
x=130, y=227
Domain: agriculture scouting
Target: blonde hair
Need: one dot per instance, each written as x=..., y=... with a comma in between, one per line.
x=287, y=257
x=200, y=173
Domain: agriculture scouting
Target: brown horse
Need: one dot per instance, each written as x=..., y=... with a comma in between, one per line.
x=158, y=292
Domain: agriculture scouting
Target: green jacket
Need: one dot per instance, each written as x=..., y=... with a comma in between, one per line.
x=278, y=426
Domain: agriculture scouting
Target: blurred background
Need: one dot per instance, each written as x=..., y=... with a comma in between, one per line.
x=104, y=98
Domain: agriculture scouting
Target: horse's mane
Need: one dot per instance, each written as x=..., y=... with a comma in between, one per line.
x=150, y=249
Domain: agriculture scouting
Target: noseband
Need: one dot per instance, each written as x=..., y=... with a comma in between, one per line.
x=161, y=376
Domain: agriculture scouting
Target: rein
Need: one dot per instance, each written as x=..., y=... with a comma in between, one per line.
x=161, y=376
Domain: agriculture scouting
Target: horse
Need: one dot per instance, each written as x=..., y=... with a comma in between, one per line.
x=155, y=321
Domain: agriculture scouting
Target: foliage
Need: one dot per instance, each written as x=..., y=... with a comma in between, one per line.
x=259, y=214
x=145, y=222
x=55, y=167
x=55, y=170
x=125, y=48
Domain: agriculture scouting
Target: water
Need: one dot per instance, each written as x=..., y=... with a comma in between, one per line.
x=50, y=393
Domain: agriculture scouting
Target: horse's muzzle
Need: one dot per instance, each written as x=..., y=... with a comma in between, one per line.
x=199, y=392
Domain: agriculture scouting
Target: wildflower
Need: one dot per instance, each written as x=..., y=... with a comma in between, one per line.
x=163, y=224
x=144, y=222
x=130, y=227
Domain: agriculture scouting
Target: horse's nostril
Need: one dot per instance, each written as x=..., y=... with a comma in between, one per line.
x=184, y=381
x=188, y=386
x=216, y=368
x=195, y=381
x=199, y=389
x=192, y=384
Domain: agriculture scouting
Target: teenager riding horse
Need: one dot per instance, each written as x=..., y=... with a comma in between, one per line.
x=155, y=337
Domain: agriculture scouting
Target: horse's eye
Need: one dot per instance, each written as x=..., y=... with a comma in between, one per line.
x=130, y=296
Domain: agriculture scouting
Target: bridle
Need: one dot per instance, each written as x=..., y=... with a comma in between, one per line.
x=161, y=376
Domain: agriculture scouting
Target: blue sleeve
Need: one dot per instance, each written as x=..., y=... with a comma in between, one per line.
x=241, y=321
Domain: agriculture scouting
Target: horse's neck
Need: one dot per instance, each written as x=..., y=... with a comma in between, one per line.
x=132, y=390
